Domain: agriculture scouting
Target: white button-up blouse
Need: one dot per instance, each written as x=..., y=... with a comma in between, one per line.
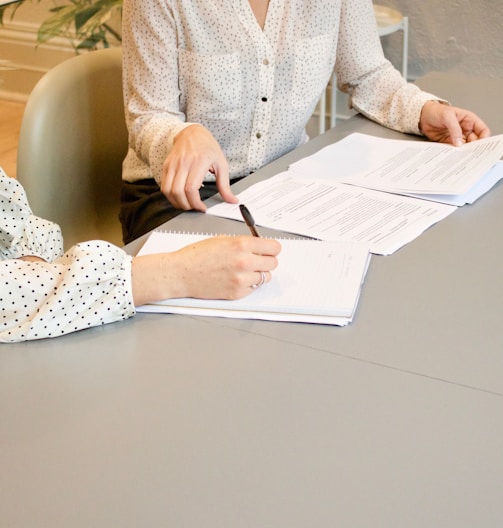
x=208, y=61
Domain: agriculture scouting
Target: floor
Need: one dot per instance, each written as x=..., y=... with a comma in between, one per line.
x=11, y=114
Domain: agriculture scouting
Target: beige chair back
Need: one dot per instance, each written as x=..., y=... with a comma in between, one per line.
x=72, y=143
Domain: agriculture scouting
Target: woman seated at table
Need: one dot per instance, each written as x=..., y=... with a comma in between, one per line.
x=216, y=90
x=47, y=294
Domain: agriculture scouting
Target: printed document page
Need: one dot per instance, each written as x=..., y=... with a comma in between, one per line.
x=329, y=210
x=402, y=166
x=484, y=185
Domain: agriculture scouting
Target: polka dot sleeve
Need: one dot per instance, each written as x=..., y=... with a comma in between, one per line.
x=90, y=285
x=21, y=232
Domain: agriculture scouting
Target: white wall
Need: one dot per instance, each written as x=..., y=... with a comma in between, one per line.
x=463, y=36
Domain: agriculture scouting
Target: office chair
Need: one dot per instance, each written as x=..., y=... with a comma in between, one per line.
x=72, y=142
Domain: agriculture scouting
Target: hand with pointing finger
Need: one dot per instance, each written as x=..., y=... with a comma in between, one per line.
x=195, y=153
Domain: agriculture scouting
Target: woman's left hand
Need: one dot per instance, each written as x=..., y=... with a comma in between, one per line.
x=450, y=124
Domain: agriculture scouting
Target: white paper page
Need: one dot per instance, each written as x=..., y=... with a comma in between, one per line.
x=484, y=185
x=414, y=167
x=334, y=211
x=312, y=279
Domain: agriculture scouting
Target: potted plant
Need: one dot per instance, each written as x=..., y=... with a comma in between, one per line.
x=87, y=24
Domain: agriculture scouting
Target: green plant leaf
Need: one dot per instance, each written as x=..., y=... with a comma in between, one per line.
x=85, y=23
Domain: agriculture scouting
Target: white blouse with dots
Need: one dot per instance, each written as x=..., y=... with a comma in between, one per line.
x=88, y=286
x=208, y=61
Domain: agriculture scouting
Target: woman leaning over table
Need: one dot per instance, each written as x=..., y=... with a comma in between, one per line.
x=47, y=294
x=216, y=89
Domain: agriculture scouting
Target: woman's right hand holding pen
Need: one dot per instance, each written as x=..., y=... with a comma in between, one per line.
x=222, y=267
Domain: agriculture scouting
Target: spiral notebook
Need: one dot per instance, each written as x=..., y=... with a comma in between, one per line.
x=315, y=282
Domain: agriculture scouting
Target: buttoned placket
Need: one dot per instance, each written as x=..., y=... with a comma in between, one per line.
x=266, y=64
x=263, y=107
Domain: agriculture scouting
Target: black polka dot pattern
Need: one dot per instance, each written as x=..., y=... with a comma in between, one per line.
x=209, y=62
x=88, y=286
x=22, y=233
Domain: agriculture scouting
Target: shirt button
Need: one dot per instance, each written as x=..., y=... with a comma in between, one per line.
x=258, y=135
x=265, y=62
x=264, y=99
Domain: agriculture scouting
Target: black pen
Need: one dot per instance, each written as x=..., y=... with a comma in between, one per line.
x=248, y=218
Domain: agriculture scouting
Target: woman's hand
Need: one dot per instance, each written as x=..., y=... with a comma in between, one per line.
x=223, y=267
x=195, y=153
x=449, y=124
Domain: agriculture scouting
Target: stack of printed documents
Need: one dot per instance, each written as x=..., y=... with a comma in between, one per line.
x=372, y=190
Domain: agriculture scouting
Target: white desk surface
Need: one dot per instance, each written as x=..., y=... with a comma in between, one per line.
x=395, y=420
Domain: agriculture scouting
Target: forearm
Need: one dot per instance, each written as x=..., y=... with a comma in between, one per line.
x=150, y=79
x=398, y=108
x=376, y=88
x=213, y=268
x=157, y=277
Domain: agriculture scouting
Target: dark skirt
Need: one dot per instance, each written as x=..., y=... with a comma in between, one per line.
x=144, y=207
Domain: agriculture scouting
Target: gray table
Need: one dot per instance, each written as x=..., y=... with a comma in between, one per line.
x=395, y=420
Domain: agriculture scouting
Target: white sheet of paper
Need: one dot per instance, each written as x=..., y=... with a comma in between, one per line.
x=402, y=166
x=484, y=185
x=334, y=211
